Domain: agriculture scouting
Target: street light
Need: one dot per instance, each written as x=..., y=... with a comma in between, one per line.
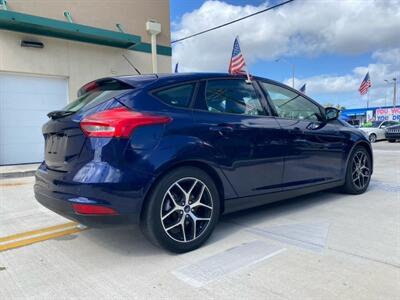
x=289, y=64
x=386, y=92
x=394, y=90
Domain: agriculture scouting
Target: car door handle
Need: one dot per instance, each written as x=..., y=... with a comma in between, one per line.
x=222, y=129
x=297, y=130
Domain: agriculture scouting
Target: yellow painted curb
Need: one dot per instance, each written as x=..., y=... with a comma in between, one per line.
x=37, y=231
x=35, y=236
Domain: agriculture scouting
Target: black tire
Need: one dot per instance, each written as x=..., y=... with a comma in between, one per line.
x=392, y=141
x=352, y=186
x=166, y=193
x=372, y=138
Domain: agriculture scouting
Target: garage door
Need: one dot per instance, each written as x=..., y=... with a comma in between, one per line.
x=24, y=103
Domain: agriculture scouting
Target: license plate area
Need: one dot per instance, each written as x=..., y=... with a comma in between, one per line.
x=56, y=144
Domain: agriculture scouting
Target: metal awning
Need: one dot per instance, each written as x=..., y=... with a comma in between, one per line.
x=15, y=21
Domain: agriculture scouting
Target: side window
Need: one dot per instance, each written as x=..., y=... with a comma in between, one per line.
x=390, y=123
x=176, y=96
x=233, y=96
x=291, y=105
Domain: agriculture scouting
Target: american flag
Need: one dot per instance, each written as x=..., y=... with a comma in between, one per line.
x=237, y=64
x=303, y=88
x=365, y=85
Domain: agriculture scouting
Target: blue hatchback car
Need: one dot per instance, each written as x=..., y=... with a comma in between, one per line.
x=174, y=152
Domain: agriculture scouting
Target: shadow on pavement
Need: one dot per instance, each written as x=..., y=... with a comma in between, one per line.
x=130, y=241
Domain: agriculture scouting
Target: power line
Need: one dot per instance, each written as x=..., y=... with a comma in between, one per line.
x=231, y=22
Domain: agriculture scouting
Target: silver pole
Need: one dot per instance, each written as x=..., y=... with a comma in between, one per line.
x=293, y=66
x=394, y=91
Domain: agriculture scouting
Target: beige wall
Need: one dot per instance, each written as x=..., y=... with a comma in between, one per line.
x=83, y=62
x=79, y=62
x=132, y=14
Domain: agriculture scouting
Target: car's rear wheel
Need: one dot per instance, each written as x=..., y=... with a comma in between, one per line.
x=392, y=141
x=181, y=210
x=358, y=173
x=372, y=137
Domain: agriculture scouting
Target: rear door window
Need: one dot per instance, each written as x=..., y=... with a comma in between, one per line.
x=233, y=96
x=179, y=96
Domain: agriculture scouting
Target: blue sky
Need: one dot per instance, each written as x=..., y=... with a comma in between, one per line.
x=332, y=44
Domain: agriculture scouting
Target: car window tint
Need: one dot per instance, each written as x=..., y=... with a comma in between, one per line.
x=91, y=99
x=177, y=96
x=233, y=96
x=291, y=105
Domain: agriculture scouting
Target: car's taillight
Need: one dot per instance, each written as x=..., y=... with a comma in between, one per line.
x=89, y=209
x=118, y=122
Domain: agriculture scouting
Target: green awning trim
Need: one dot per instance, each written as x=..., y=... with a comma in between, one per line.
x=15, y=21
x=146, y=47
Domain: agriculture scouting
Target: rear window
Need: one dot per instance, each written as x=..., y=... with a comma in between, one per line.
x=91, y=99
x=176, y=96
x=96, y=92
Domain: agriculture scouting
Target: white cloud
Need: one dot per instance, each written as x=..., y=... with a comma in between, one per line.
x=386, y=67
x=305, y=27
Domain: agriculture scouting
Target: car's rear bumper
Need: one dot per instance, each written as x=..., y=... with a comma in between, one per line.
x=64, y=208
x=54, y=192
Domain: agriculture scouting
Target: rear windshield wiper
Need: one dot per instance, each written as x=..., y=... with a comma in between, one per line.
x=59, y=113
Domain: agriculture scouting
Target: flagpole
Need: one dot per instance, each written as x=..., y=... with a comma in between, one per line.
x=247, y=71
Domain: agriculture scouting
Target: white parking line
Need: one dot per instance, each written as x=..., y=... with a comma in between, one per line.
x=229, y=261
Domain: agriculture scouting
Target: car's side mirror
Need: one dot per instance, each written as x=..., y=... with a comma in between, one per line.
x=331, y=113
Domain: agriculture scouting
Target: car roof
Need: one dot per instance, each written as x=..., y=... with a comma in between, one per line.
x=154, y=81
x=170, y=78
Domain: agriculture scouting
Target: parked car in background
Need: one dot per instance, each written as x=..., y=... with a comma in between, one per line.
x=376, y=130
x=173, y=152
x=393, y=133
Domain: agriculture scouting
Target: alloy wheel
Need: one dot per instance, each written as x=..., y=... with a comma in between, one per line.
x=372, y=138
x=186, y=209
x=360, y=170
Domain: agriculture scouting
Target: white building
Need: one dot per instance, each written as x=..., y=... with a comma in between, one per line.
x=49, y=49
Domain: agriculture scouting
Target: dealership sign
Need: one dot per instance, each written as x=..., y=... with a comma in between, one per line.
x=389, y=114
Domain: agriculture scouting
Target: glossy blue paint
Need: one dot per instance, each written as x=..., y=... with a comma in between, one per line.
x=247, y=156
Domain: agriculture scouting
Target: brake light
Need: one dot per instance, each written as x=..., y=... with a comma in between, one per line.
x=118, y=122
x=88, y=209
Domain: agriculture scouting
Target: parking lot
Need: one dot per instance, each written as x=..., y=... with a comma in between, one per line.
x=322, y=246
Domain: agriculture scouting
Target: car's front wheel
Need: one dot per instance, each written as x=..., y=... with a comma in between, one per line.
x=358, y=173
x=181, y=210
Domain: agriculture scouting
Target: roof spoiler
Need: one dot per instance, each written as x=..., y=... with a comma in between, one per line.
x=107, y=83
x=116, y=83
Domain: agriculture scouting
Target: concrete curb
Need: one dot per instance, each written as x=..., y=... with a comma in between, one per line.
x=16, y=171
x=17, y=174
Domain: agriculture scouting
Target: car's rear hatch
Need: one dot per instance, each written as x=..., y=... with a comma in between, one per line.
x=64, y=140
